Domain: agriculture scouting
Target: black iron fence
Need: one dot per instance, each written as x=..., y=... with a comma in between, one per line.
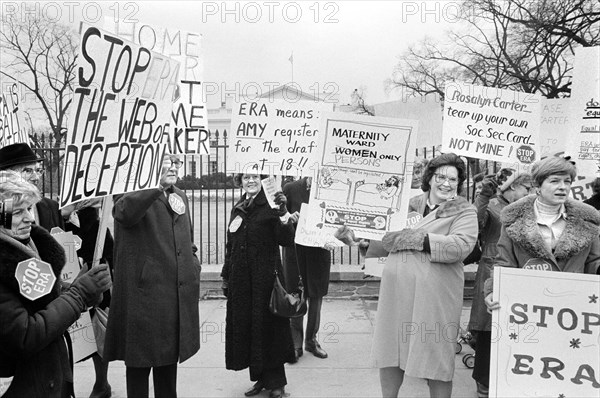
x=211, y=195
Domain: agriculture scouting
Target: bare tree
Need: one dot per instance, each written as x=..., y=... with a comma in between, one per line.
x=41, y=55
x=359, y=105
x=526, y=45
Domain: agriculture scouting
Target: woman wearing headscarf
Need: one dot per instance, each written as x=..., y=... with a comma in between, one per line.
x=33, y=349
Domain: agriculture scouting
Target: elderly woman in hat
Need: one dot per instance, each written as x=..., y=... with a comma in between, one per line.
x=32, y=346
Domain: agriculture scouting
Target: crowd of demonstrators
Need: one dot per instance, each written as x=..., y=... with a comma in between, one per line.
x=154, y=320
x=496, y=192
x=313, y=264
x=254, y=337
x=548, y=230
x=33, y=337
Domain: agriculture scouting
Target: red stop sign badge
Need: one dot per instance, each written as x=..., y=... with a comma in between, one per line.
x=35, y=277
x=526, y=154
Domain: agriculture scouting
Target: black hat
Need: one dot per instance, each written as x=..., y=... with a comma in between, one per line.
x=16, y=154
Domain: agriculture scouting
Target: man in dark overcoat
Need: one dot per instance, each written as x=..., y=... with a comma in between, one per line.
x=154, y=319
x=314, y=265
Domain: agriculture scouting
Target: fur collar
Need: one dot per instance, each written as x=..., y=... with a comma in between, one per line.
x=12, y=254
x=582, y=228
x=449, y=208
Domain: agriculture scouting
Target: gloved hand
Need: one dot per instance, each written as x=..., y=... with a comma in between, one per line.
x=346, y=235
x=405, y=239
x=363, y=245
x=92, y=284
x=281, y=201
x=489, y=185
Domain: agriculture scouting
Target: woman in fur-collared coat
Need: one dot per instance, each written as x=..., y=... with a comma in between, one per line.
x=549, y=231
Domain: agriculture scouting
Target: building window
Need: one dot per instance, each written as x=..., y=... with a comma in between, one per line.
x=213, y=166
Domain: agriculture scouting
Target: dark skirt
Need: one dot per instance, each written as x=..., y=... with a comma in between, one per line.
x=313, y=263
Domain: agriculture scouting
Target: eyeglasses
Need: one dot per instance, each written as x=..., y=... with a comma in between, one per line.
x=29, y=171
x=440, y=179
x=174, y=163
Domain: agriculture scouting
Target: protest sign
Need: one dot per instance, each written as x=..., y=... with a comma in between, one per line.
x=82, y=337
x=271, y=185
x=491, y=123
x=584, y=112
x=5, y=382
x=12, y=131
x=554, y=126
x=119, y=119
x=314, y=237
x=71, y=243
x=274, y=137
x=35, y=278
x=363, y=164
x=189, y=121
x=546, y=334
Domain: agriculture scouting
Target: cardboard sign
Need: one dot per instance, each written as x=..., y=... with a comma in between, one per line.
x=363, y=165
x=554, y=125
x=584, y=112
x=189, y=120
x=71, y=243
x=120, y=118
x=12, y=131
x=274, y=137
x=313, y=237
x=4, y=384
x=82, y=337
x=35, y=277
x=490, y=123
x=546, y=334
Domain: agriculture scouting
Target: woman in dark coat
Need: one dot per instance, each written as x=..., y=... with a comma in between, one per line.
x=254, y=337
x=33, y=348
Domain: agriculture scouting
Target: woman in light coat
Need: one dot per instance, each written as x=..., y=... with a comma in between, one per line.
x=421, y=294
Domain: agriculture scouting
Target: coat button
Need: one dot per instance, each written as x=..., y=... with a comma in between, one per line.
x=51, y=384
x=178, y=252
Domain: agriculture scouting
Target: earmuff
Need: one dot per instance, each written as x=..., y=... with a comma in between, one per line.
x=6, y=213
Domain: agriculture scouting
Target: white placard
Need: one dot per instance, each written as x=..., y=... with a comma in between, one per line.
x=314, y=237
x=365, y=170
x=12, y=129
x=491, y=123
x=546, y=335
x=120, y=118
x=274, y=137
x=82, y=337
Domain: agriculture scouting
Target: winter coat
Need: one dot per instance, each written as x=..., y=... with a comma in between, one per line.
x=313, y=263
x=424, y=291
x=577, y=250
x=154, y=319
x=254, y=337
x=488, y=217
x=32, y=346
x=48, y=214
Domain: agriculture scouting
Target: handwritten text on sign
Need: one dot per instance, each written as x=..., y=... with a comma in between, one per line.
x=490, y=123
x=120, y=118
x=189, y=132
x=546, y=334
x=11, y=131
x=274, y=137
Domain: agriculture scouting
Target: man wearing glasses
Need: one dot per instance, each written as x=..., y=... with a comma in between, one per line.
x=154, y=321
x=21, y=158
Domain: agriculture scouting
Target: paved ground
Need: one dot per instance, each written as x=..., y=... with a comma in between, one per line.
x=346, y=333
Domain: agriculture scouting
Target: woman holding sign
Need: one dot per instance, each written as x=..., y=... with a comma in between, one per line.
x=33, y=313
x=255, y=338
x=548, y=231
x=421, y=294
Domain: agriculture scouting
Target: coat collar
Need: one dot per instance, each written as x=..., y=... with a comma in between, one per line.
x=446, y=209
x=259, y=200
x=582, y=228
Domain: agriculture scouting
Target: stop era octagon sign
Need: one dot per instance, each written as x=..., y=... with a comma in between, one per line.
x=35, y=277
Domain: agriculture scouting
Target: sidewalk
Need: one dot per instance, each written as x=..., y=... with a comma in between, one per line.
x=346, y=334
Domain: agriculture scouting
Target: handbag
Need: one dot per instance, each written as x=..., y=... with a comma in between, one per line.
x=99, y=323
x=287, y=305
